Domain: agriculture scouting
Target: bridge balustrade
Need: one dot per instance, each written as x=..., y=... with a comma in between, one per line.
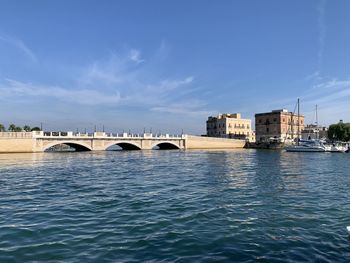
x=95, y=135
x=19, y=135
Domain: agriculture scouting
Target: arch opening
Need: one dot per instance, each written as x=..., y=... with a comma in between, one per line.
x=67, y=147
x=166, y=146
x=123, y=146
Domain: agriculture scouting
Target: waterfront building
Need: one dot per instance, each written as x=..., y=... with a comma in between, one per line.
x=311, y=131
x=278, y=126
x=228, y=125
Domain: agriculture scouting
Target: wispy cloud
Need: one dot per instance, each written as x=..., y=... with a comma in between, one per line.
x=120, y=80
x=190, y=107
x=332, y=97
x=18, y=43
x=135, y=55
x=330, y=92
x=12, y=88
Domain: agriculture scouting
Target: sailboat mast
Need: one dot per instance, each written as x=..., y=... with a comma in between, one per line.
x=317, y=131
x=298, y=120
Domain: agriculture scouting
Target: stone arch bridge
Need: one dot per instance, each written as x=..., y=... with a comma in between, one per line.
x=39, y=141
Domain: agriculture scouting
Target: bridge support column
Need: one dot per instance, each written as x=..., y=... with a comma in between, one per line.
x=146, y=144
x=97, y=145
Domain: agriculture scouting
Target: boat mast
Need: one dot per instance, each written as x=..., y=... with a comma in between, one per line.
x=298, y=120
x=317, y=131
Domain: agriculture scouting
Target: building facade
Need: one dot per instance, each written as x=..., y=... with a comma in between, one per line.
x=311, y=131
x=230, y=126
x=278, y=125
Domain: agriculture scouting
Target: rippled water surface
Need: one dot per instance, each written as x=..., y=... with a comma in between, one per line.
x=181, y=206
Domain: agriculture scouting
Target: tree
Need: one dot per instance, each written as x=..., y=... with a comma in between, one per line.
x=12, y=127
x=26, y=128
x=35, y=129
x=339, y=132
x=2, y=128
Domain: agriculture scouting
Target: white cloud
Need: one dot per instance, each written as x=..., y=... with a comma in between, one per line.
x=135, y=55
x=330, y=91
x=332, y=97
x=139, y=85
x=12, y=88
x=191, y=107
x=315, y=76
x=20, y=45
x=116, y=81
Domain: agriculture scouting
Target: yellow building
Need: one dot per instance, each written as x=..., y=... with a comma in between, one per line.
x=230, y=126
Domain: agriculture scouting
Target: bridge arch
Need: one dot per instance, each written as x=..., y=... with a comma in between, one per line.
x=125, y=145
x=78, y=146
x=166, y=145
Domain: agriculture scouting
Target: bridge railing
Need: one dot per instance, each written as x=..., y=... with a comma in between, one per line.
x=19, y=135
x=124, y=135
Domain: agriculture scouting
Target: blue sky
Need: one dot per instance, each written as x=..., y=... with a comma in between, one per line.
x=167, y=65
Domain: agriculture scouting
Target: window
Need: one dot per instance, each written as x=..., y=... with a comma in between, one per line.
x=274, y=119
x=259, y=121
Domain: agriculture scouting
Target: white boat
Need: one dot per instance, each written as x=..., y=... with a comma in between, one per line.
x=337, y=147
x=307, y=146
x=316, y=145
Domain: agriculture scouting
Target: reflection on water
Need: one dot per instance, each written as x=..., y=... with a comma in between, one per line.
x=239, y=205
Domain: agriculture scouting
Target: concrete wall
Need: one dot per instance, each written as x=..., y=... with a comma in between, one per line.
x=199, y=142
x=12, y=142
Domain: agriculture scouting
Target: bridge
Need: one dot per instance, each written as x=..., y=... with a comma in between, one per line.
x=40, y=141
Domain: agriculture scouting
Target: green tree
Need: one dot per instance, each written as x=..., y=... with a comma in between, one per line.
x=26, y=128
x=339, y=132
x=35, y=129
x=2, y=128
x=12, y=127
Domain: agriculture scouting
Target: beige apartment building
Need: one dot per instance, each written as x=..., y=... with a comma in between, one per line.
x=278, y=125
x=230, y=126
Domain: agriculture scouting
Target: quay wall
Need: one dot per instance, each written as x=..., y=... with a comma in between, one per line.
x=16, y=142
x=200, y=142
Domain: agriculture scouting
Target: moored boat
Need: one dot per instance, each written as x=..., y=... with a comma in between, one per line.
x=337, y=147
x=315, y=145
x=307, y=146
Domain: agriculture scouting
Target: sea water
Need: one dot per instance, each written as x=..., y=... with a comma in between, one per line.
x=175, y=206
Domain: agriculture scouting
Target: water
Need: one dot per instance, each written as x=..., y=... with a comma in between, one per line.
x=178, y=206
